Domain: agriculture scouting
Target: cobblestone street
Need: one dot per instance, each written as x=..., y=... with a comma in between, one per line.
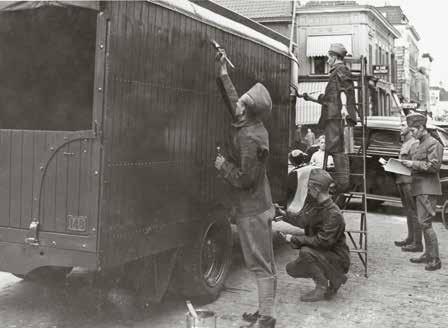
x=396, y=294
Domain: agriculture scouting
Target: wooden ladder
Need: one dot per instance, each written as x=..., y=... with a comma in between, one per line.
x=359, y=190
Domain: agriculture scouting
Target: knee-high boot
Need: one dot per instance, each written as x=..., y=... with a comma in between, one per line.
x=342, y=172
x=321, y=282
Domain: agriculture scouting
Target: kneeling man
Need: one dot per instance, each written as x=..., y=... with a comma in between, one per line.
x=323, y=253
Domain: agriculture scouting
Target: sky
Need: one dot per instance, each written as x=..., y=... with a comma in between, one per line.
x=430, y=19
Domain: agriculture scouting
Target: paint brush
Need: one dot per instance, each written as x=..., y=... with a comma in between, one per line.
x=191, y=309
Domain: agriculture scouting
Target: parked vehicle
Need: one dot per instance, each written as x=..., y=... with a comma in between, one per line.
x=383, y=140
x=110, y=119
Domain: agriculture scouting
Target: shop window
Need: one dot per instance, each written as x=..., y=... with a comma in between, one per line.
x=319, y=65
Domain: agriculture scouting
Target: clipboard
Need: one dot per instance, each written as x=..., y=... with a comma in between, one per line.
x=394, y=165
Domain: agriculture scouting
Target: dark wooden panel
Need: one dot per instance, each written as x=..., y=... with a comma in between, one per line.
x=16, y=178
x=5, y=176
x=51, y=195
x=73, y=156
x=164, y=118
x=27, y=178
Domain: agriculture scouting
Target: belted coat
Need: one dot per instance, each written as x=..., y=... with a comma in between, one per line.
x=245, y=168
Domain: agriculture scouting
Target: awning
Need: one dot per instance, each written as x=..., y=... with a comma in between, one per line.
x=308, y=112
x=384, y=85
x=318, y=45
x=24, y=5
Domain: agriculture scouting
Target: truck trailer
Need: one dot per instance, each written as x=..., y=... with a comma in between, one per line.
x=109, y=124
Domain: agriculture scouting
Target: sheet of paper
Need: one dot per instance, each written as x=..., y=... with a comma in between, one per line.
x=395, y=166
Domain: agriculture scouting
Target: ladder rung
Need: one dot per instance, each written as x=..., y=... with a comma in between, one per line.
x=354, y=193
x=358, y=251
x=356, y=231
x=357, y=174
x=353, y=211
x=359, y=155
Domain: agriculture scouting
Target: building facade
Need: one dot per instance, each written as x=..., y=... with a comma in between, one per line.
x=362, y=29
x=409, y=80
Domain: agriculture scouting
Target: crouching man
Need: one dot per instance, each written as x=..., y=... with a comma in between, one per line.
x=323, y=253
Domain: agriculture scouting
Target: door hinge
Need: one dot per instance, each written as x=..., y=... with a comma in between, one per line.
x=32, y=237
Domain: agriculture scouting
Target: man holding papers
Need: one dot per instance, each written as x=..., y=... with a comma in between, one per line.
x=413, y=241
x=425, y=164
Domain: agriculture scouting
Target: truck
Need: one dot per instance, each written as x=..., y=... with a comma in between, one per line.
x=109, y=124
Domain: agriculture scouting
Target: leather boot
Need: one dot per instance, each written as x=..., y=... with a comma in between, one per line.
x=332, y=290
x=251, y=317
x=341, y=174
x=433, y=265
x=424, y=258
x=265, y=321
x=317, y=294
x=412, y=248
x=402, y=243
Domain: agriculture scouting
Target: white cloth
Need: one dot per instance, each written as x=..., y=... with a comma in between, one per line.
x=317, y=159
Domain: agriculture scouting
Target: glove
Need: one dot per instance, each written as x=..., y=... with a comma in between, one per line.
x=306, y=96
x=296, y=242
x=286, y=236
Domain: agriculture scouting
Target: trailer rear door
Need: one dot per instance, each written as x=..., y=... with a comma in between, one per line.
x=50, y=150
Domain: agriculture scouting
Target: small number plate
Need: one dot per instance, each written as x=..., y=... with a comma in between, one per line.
x=77, y=223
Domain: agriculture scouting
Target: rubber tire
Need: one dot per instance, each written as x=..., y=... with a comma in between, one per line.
x=47, y=274
x=191, y=280
x=444, y=214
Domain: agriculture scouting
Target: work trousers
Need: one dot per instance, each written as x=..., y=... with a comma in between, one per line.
x=408, y=202
x=334, y=146
x=255, y=234
x=426, y=210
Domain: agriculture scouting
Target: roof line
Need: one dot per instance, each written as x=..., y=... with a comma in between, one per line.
x=220, y=10
x=366, y=8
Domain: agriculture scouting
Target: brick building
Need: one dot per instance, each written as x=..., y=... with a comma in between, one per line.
x=407, y=53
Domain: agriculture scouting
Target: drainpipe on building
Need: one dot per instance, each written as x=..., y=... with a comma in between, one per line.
x=293, y=24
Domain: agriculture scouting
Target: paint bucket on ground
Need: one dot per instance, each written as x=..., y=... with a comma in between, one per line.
x=205, y=319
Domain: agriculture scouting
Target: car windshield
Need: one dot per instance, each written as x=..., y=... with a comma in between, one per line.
x=444, y=137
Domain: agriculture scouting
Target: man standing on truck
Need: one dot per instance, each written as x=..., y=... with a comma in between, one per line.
x=338, y=105
x=425, y=165
x=245, y=170
x=413, y=241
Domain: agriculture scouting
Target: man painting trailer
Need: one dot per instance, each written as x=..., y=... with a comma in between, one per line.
x=245, y=170
x=115, y=150
x=323, y=253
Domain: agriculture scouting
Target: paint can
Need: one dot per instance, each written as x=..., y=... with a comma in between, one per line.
x=205, y=319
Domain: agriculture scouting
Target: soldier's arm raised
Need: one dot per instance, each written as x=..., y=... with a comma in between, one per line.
x=225, y=85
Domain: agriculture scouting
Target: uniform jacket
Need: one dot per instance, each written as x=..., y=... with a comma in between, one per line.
x=325, y=234
x=426, y=162
x=340, y=80
x=245, y=168
x=407, y=148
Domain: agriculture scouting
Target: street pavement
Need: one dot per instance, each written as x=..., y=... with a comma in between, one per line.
x=396, y=294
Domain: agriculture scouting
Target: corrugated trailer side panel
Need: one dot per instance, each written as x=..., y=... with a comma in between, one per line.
x=164, y=118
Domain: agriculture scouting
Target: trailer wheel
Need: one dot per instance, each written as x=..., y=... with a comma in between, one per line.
x=445, y=214
x=206, y=262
